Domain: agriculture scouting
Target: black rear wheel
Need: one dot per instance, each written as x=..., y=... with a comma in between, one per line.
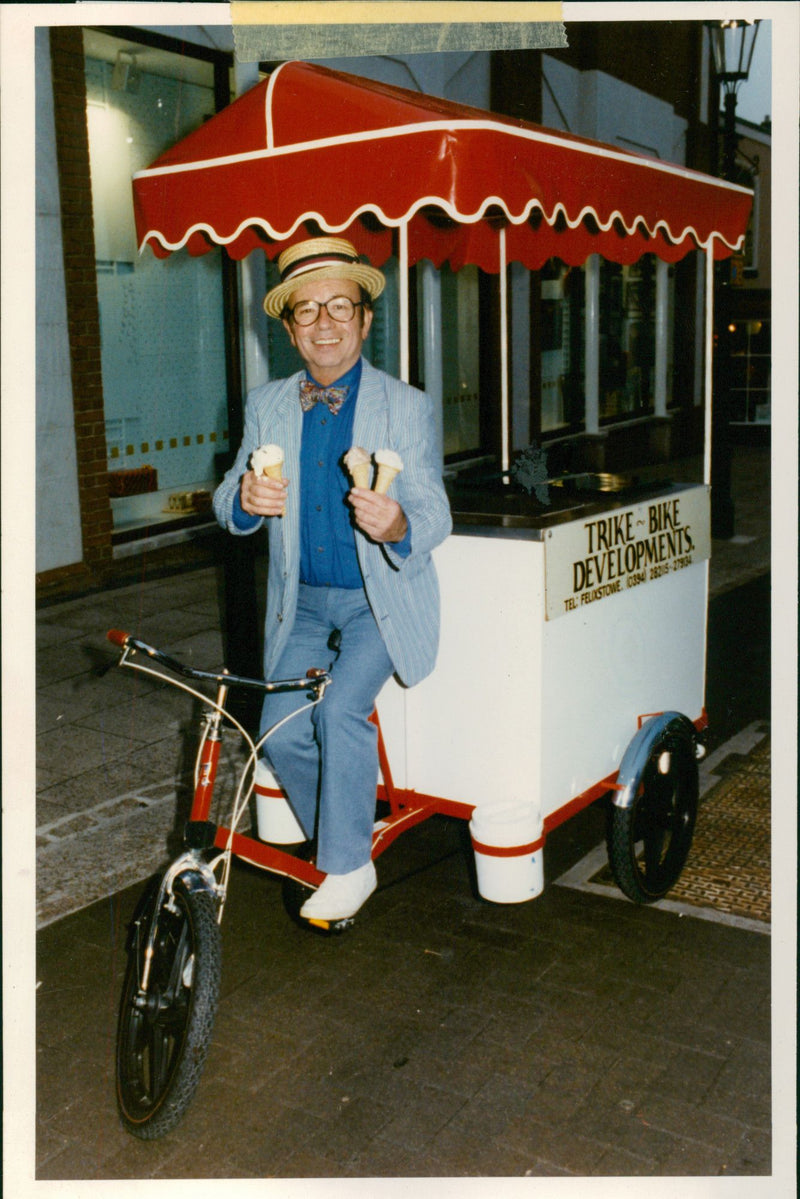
x=648, y=842
x=164, y=1032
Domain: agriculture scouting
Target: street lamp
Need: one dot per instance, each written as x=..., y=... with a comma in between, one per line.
x=732, y=44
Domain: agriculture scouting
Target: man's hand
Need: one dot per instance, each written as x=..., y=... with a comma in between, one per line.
x=380, y=517
x=263, y=497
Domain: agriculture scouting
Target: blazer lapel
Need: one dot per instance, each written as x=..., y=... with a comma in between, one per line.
x=286, y=422
x=371, y=419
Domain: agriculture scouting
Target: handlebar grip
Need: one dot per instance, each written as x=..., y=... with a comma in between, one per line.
x=117, y=637
x=315, y=673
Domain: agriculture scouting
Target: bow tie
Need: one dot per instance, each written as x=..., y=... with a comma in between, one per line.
x=310, y=394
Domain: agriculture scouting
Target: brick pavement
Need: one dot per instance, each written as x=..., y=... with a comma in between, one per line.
x=443, y=1036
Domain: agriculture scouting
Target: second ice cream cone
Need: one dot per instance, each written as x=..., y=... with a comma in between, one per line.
x=389, y=465
x=383, y=479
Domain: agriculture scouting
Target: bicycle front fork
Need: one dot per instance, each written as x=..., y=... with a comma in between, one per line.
x=199, y=832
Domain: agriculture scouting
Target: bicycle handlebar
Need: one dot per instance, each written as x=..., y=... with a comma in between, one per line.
x=315, y=678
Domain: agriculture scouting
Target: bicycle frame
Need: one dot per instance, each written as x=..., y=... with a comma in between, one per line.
x=406, y=807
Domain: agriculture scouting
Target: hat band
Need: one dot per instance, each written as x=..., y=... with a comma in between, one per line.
x=315, y=262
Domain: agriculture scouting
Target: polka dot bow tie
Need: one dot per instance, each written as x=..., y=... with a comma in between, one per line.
x=310, y=395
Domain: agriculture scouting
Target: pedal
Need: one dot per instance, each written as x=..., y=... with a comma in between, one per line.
x=331, y=926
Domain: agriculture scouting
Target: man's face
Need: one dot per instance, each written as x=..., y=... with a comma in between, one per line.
x=328, y=347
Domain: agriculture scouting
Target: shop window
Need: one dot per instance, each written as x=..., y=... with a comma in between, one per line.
x=626, y=351
x=627, y=339
x=161, y=320
x=751, y=365
x=461, y=389
x=561, y=337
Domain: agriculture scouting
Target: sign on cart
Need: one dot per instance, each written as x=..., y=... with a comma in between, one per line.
x=587, y=561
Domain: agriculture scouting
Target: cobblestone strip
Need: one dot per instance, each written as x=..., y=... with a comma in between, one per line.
x=94, y=854
x=103, y=814
x=85, y=856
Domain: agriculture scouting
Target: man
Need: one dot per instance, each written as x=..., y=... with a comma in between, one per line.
x=351, y=584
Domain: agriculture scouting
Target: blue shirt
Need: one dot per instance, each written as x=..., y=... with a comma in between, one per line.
x=327, y=541
x=327, y=537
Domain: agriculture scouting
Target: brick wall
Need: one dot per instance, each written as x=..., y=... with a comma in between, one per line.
x=72, y=142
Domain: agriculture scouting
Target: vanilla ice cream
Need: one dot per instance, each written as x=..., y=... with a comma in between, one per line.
x=267, y=461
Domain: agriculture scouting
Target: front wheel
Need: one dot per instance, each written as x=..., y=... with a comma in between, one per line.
x=649, y=841
x=164, y=1031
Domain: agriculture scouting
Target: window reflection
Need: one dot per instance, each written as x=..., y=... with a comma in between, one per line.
x=161, y=321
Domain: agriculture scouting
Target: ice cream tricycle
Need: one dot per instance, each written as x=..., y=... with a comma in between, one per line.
x=572, y=654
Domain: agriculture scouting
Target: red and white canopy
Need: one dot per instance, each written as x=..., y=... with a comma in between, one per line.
x=311, y=148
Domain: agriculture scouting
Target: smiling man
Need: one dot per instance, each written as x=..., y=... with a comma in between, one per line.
x=351, y=583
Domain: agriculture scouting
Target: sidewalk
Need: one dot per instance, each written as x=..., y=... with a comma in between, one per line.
x=443, y=1036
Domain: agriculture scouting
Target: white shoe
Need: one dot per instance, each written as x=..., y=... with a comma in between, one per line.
x=339, y=896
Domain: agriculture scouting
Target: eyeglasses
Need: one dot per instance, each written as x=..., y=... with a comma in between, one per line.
x=339, y=308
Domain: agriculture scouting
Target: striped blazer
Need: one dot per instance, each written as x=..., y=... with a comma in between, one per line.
x=403, y=592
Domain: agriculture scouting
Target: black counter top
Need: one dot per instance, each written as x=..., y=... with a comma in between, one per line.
x=491, y=504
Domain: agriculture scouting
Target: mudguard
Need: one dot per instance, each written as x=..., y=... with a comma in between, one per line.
x=636, y=755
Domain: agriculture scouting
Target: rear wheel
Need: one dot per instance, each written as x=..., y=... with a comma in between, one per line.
x=648, y=842
x=164, y=1032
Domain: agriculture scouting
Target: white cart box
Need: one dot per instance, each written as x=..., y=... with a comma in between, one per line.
x=555, y=641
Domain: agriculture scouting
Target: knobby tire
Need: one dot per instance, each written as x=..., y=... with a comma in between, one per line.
x=163, y=1039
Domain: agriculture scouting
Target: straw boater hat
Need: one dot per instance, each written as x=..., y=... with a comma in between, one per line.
x=320, y=258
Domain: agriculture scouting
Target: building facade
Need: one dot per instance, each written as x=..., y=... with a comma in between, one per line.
x=142, y=364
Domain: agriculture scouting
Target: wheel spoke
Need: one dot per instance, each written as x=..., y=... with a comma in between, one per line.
x=180, y=952
x=159, y=1046
x=653, y=851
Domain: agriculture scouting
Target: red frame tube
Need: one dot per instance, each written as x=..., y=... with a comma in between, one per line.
x=206, y=777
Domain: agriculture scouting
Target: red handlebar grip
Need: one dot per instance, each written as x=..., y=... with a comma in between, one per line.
x=117, y=637
x=314, y=673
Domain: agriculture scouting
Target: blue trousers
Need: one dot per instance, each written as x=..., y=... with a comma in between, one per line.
x=326, y=759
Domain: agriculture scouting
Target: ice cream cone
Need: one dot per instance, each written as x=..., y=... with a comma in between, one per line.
x=383, y=479
x=361, y=474
x=267, y=462
x=359, y=465
x=389, y=465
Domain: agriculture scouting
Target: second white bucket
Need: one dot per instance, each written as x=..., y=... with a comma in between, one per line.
x=509, y=852
x=277, y=822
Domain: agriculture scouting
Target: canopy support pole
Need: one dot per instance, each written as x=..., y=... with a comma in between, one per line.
x=708, y=364
x=402, y=253
x=504, y=406
x=432, y=361
x=662, y=333
x=592, y=338
x=709, y=354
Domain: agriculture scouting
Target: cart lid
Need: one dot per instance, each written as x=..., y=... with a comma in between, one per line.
x=310, y=148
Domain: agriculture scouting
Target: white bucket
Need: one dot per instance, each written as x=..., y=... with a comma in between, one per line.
x=509, y=852
x=276, y=821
